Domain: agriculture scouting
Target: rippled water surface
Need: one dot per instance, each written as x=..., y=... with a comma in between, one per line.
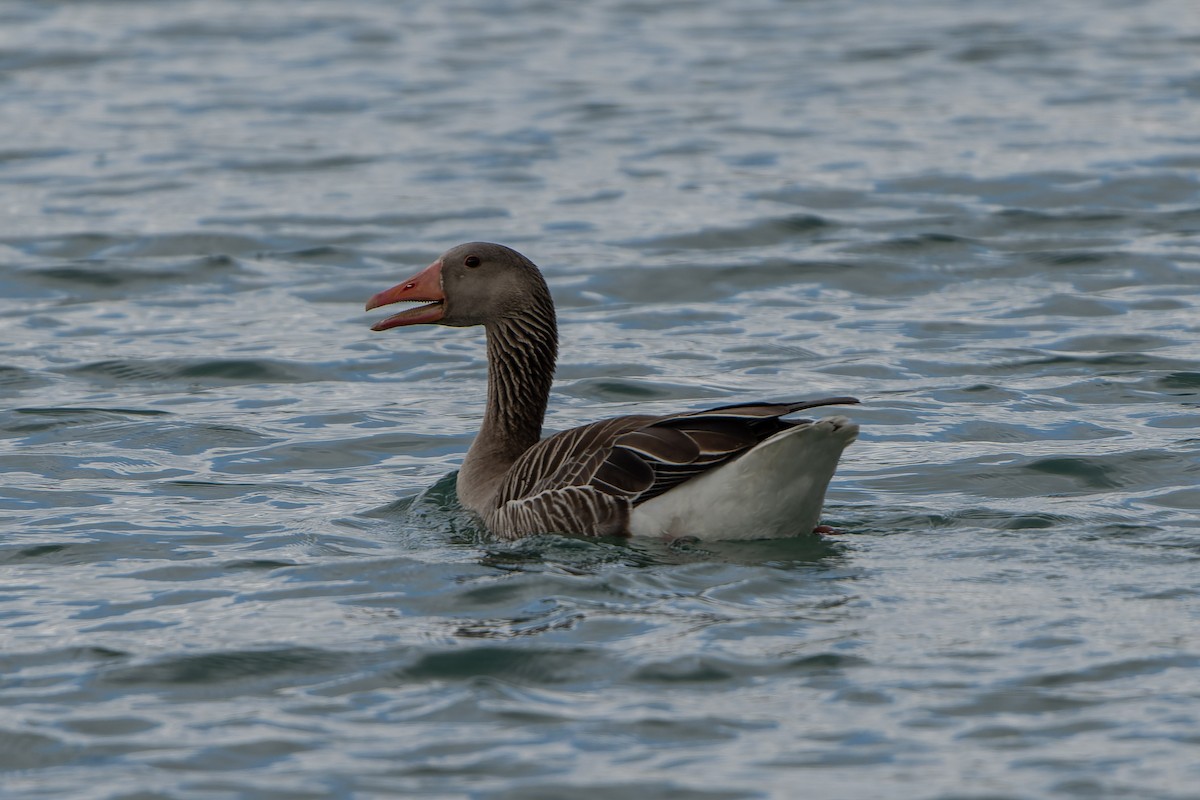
x=231, y=559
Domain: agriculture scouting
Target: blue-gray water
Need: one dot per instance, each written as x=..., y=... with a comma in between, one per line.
x=981, y=218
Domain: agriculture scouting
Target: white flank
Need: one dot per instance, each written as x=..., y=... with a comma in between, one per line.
x=775, y=490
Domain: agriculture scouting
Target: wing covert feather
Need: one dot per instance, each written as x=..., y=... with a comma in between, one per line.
x=570, y=509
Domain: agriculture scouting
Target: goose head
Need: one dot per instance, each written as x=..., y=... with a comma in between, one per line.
x=477, y=283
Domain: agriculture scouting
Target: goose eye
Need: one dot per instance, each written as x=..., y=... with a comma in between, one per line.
x=471, y=261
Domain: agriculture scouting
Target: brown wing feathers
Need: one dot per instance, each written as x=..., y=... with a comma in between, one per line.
x=662, y=453
x=623, y=473
x=602, y=470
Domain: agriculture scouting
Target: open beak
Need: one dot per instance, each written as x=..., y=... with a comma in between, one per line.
x=425, y=286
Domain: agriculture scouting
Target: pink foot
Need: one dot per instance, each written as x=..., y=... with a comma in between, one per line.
x=826, y=530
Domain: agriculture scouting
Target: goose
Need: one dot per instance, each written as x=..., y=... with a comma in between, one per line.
x=732, y=472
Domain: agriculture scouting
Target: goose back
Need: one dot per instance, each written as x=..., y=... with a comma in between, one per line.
x=587, y=480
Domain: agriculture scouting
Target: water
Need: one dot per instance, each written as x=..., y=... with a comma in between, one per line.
x=231, y=562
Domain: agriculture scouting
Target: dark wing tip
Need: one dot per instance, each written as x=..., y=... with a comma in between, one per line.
x=824, y=401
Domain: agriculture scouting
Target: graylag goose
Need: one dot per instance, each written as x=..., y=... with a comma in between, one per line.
x=733, y=472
